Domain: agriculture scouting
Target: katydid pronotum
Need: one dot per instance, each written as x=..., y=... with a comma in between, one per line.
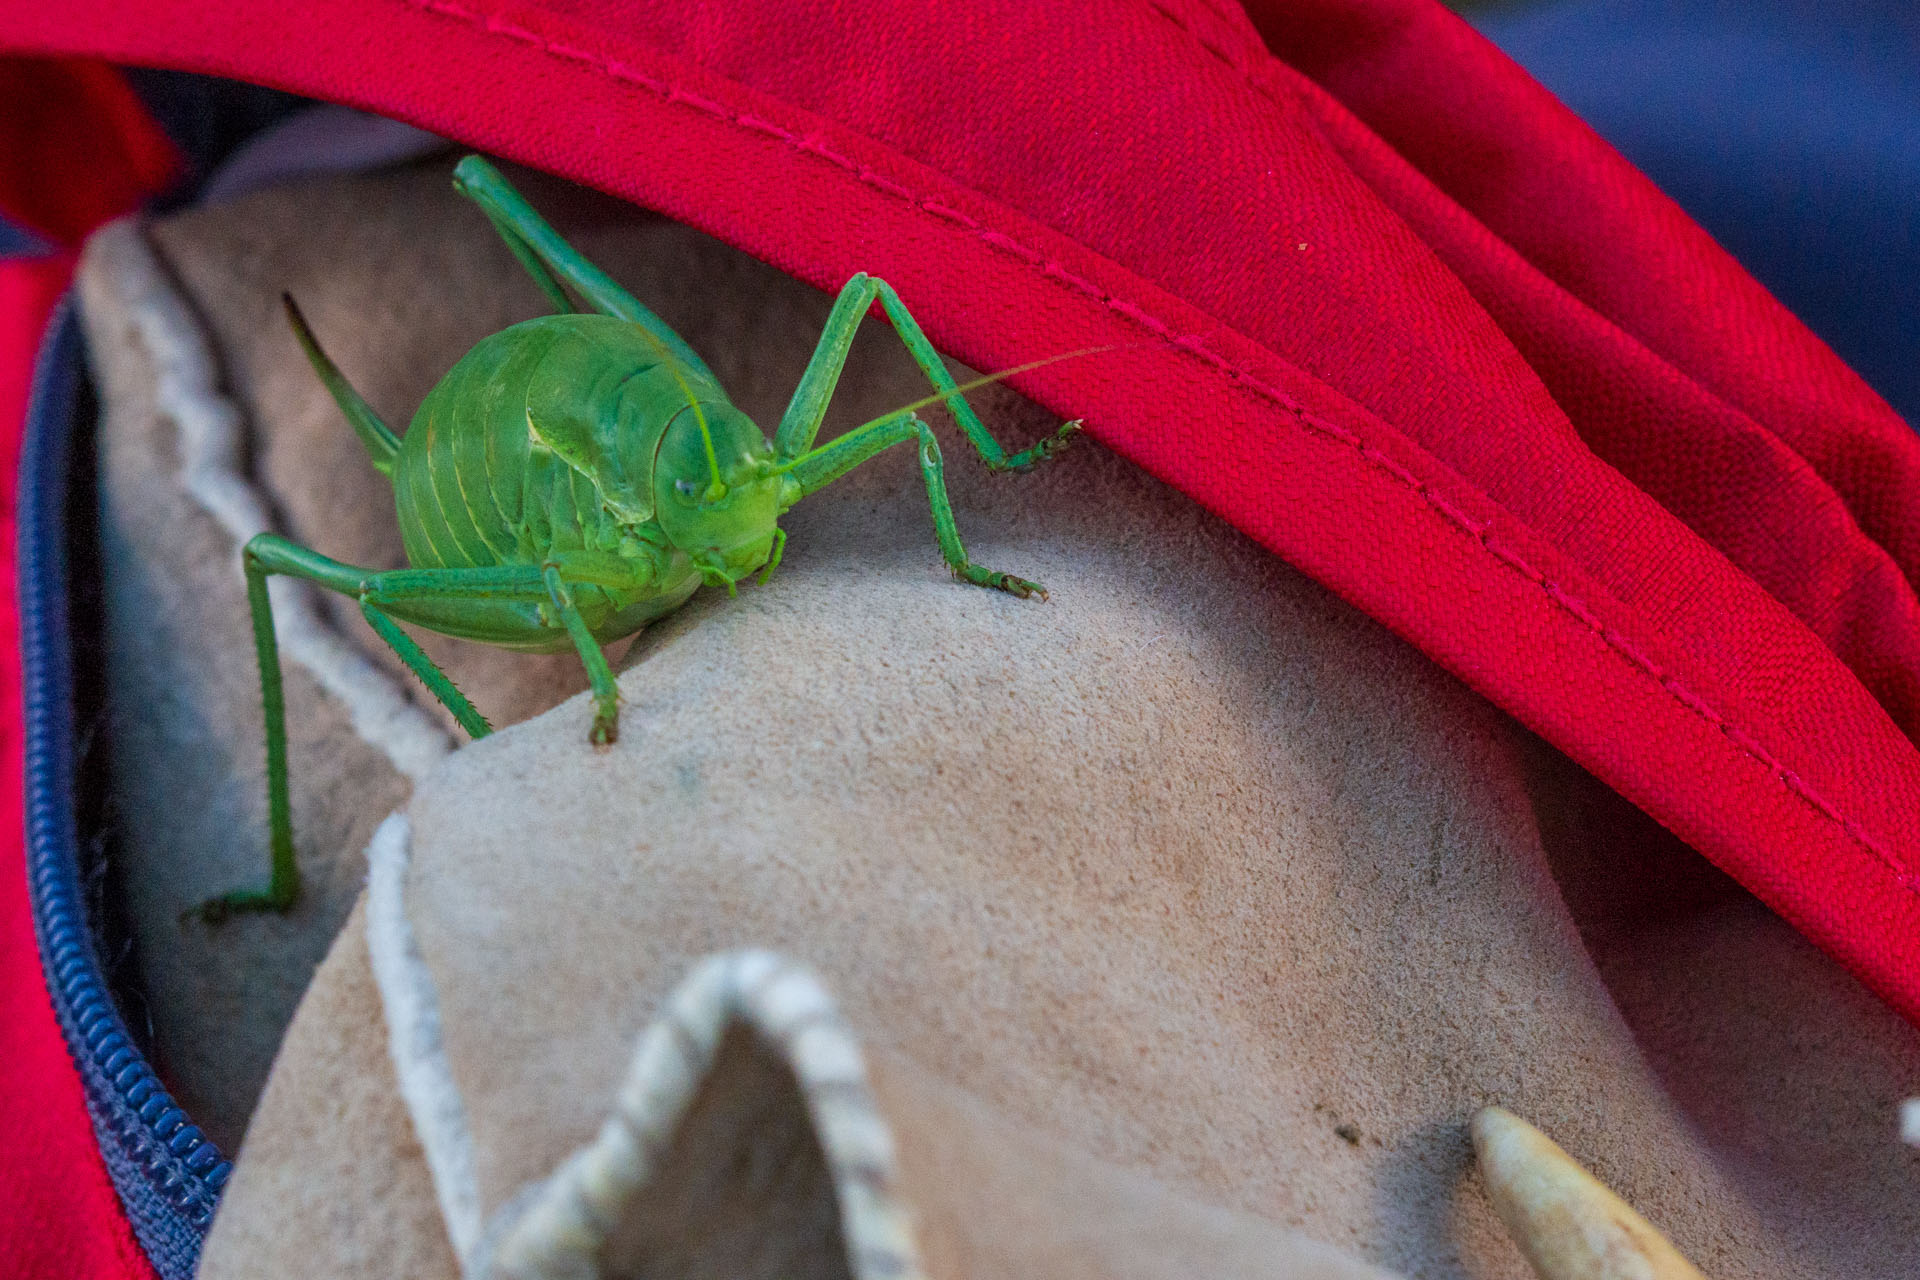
x=617, y=478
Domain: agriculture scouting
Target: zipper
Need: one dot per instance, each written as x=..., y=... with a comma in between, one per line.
x=167, y=1172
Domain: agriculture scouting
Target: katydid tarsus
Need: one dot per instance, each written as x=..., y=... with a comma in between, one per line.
x=579, y=475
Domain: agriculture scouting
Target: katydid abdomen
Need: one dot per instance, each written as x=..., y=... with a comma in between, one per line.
x=539, y=445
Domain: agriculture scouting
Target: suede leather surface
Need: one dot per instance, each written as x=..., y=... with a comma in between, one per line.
x=990, y=1198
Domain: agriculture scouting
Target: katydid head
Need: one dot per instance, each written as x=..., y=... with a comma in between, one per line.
x=717, y=491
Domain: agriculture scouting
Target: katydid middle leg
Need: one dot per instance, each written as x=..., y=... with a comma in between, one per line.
x=606, y=694
x=548, y=583
x=828, y=463
x=800, y=424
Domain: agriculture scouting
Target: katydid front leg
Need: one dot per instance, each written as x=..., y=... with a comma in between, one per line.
x=800, y=424
x=826, y=464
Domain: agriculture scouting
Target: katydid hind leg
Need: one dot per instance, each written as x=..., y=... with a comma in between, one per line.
x=553, y=262
x=283, y=880
x=833, y=460
x=269, y=554
x=800, y=424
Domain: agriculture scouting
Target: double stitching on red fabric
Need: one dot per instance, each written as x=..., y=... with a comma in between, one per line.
x=1480, y=531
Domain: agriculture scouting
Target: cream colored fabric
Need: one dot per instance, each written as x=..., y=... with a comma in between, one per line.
x=1192, y=889
x=988, y=1199
x=748, y=1136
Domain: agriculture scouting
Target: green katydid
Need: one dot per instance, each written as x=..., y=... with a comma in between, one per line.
x=579, y=475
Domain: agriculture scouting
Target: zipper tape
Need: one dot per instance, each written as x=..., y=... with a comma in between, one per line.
x=167, y=1172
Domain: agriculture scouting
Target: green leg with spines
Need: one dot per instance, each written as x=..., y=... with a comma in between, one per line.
x=800, y=424
x=606, y=694
x=283, y=882
x=828, y=463
x=775, y=556
x=551, y=261
x=547, y=582
x=426, y=670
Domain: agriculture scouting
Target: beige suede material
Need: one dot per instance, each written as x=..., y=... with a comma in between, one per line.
x=335, y=1183
x=1193, y=868
x=1785, y=1065
x=183, y=747
x=995, y=1199
x=1194, y=879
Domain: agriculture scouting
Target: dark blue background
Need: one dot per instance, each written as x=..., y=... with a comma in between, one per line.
x=1790, y=129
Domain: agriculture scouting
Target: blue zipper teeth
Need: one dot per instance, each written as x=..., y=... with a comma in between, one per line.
x=168, y=1174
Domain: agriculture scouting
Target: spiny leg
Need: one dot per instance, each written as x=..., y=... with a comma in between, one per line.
x=800, y=424
x=548, y=583
x=550, y=260
x=606, y=694
x=266, y=555
x=775, y=556
x=283, y=879
x=831, y=461
x=426, y=670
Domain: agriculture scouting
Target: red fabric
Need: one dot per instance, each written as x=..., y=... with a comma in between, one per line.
x=58, y=1214
x=75, y=148
x=1385, y=305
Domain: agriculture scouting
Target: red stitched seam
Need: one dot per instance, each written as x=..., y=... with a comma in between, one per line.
x=1631, y=652
x=1007, y=244
x=758, y=125
x=1477, y=530
x=950, y=214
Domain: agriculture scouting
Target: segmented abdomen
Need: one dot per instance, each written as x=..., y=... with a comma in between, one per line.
x=541, y=439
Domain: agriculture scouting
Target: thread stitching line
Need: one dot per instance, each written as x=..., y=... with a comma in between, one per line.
x=1479, y=530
